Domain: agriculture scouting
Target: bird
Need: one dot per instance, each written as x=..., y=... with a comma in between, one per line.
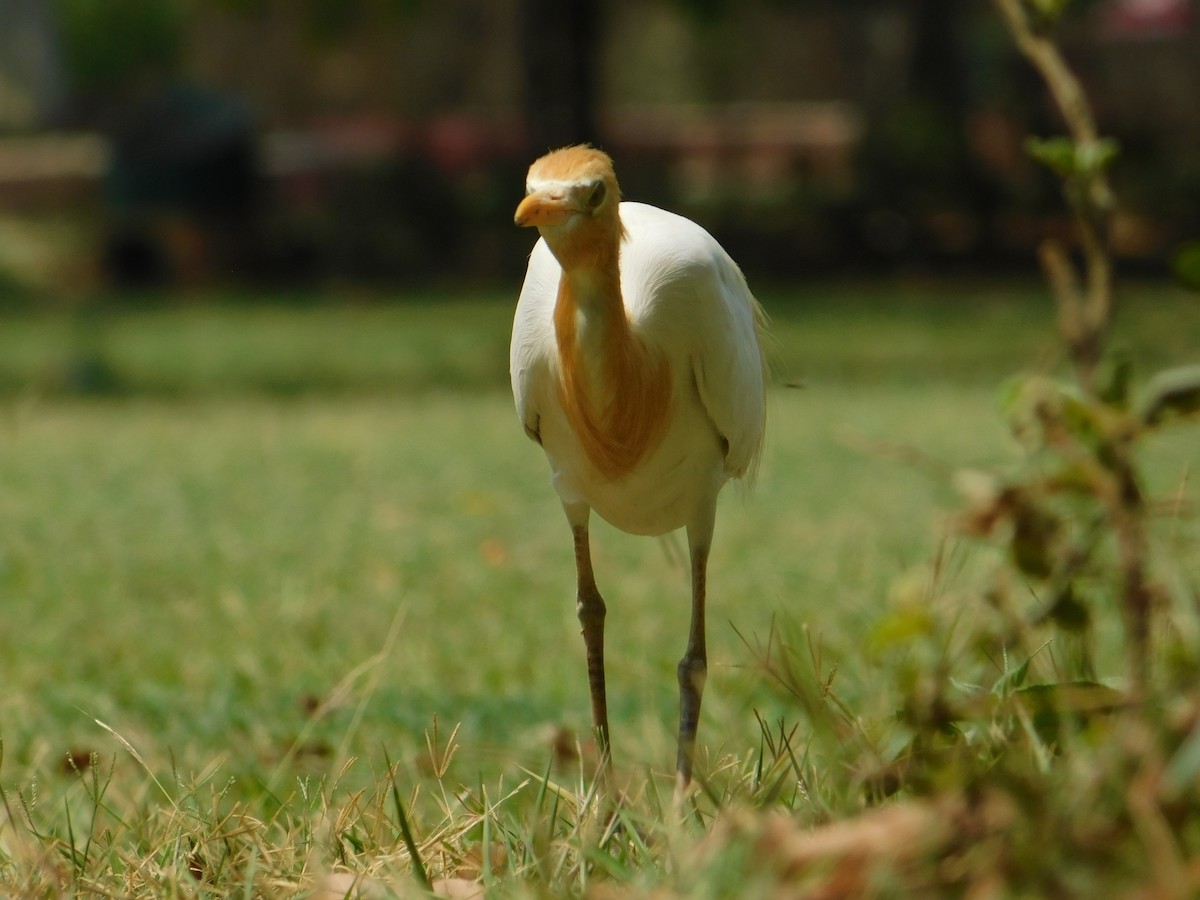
x=637, y=363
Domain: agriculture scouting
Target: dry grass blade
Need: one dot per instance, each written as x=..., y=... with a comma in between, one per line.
x=132, y=751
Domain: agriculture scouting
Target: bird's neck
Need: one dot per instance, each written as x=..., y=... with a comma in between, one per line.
x=615, y=389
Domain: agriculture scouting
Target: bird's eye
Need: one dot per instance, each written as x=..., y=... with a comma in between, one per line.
x=596, y=197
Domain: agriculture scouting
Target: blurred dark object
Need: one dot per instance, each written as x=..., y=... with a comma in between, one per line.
x=418, y=228
x=183, y=189
x=560, y=47
x=390, y=138
x=32, y=83
x=1146, y=19
x=377, y=200
x=111, y=49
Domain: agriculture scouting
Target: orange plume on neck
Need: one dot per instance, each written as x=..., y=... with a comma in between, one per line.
x=619, y=414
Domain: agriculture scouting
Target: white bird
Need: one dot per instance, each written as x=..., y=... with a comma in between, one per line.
x=637, y=363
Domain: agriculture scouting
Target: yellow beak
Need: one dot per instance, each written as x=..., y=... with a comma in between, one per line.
x=540, y=209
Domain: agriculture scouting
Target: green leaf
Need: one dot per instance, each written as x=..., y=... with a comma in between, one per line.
x=1096, y=156
x=1184, y=767
x=1014, y=393
x=1047, y=11
x=1068, y=159
x=1035, y=402
x=1057, y=153
x=1051, y=706
x=1186, y=265
x=1114, y=378
x=1071, y=697
x=1012, y=680
x=1173, y=392
x=1081, y=417
x=1020, y=401
x=899, y=628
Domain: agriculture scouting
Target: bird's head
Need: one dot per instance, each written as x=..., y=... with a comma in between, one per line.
x=572, y=198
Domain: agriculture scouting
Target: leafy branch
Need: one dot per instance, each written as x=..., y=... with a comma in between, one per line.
x=1046, y=786
x=1085, y=491
x=1082, y=159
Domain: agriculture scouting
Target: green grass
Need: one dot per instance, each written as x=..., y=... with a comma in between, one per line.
x=280, y=547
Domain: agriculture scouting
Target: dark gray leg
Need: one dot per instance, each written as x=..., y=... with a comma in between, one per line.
x=591, y=610
x=693, y=668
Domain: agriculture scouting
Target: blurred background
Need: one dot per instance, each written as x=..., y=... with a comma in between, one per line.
x=284, y=143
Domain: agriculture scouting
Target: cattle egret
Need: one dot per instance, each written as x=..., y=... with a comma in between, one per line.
x=637, y=365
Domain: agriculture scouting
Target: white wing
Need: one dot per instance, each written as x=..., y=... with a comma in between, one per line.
x=685, y=292
x=533, y=343
x=730, y=369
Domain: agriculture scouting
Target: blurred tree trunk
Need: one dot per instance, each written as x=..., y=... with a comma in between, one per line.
x=941, y=78
x=917, y=156
x=939, y=71
x=560, y=50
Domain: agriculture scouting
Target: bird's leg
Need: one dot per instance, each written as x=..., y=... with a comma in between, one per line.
x=590, y=607
x=693, y=668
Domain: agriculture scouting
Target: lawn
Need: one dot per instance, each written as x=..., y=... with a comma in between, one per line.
x=260, y=560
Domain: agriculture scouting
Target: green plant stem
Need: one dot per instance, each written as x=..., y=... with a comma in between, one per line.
x=1085, y=315
x=1084, y=318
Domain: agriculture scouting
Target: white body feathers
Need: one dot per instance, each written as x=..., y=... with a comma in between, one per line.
x=687, y=301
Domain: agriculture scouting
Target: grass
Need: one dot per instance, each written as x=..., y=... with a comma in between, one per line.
x=284, y=579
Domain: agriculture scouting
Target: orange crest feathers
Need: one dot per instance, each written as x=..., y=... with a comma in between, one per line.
x=580, y=162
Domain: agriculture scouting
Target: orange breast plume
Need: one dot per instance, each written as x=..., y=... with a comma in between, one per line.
x=621, y=416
